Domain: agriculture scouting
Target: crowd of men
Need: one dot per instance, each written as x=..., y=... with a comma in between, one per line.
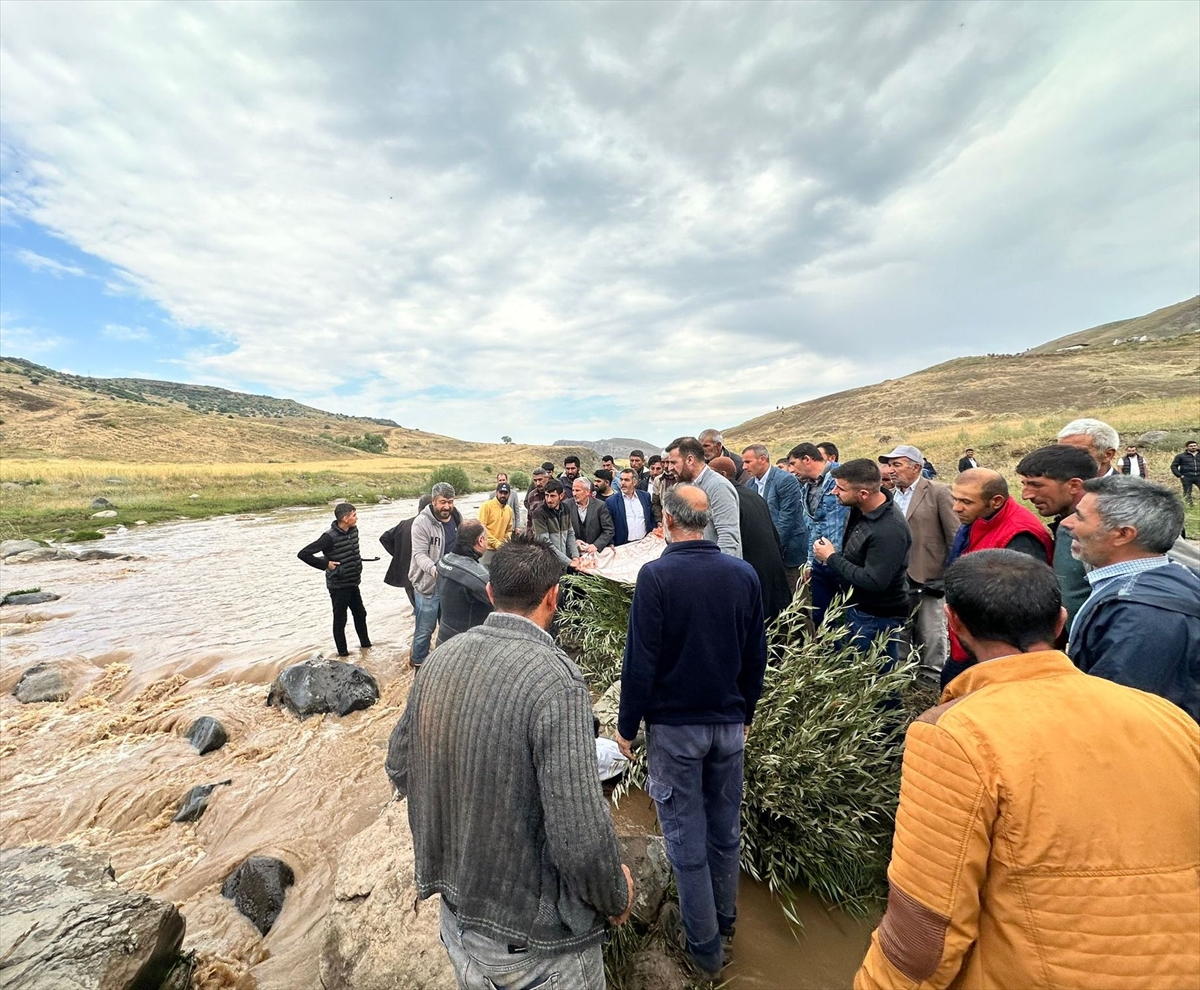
x=1049, y=819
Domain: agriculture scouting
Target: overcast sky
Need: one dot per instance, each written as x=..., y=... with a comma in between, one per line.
x=553, y=220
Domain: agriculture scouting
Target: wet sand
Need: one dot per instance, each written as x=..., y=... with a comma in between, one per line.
x=201, y=626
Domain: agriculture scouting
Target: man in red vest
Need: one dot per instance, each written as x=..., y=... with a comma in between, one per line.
x=991, y=520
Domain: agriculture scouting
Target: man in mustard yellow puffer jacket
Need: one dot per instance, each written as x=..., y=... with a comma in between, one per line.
x=1048, y=832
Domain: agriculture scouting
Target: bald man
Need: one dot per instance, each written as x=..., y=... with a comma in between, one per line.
x=991, y=520
x=695, y=654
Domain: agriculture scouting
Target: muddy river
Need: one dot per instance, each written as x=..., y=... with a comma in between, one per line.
x=199, y=624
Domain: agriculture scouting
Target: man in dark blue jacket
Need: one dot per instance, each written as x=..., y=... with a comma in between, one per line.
x=693, y=670
x=1141, y=624
x=631, y=511
x=781, y=491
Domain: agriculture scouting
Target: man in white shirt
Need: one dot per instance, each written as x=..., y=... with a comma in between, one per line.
x=630, y=509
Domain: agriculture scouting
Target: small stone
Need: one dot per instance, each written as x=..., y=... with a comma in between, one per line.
x=10, y=548
x=106, y=514
x=115, y=481
x=257, y=889
x=196, y=801
x=193, y=496
x=95, y=553
x=206, y=734
x=9, y=484
x=141, y=522
x=100, y=502
x=42, y=682
x=31, y=598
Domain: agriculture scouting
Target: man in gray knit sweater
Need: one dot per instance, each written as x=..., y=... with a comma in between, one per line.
x=496, y=755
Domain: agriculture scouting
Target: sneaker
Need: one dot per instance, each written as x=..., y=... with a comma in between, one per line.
x=670, y=920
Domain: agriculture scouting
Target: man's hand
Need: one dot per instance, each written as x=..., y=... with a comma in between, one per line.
x=330, y=565
x=624, y=916
x=576, y=561
x=805, y=574
x=657, y=531
x=625, y=746
x=745, y=732
x=587, y=547
x=823, y=549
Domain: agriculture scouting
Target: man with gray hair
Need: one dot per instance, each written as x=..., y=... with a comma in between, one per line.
x=695, y=655
x=714, y=446
x=1097, y=438
x=435, y=529
x=1141, y=624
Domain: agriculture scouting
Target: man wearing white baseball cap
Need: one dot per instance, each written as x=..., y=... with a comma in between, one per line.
x=928, y=508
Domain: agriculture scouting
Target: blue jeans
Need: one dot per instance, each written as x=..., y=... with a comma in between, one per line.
x=482, y=963
x=695, y=779
x=427, y=615
x=864, y=629
x=823, y=584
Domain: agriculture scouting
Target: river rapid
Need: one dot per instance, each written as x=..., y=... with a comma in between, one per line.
x=200, y=623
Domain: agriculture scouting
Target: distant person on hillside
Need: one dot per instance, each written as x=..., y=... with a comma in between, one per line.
x=928, y=470
x=1133, y=463
x=967, y=462
x=1186, y=467
x=1097, y=438
x=1052, y=480
x=342, y=564
x=397, y=541
x=433, y=533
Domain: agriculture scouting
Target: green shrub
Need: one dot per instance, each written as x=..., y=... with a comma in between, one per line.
x=373, y=443
x=83, y=535
x=454, y=476
x=519, y=480
x=822, y=769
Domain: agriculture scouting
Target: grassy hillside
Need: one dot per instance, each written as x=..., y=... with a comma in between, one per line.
x=1170, y=321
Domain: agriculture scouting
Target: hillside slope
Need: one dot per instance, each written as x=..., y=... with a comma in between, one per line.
x=1039, y=382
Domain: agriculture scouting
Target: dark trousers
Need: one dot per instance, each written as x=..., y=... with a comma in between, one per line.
x=824, y=583
x=348, y=598
x=1188, y=485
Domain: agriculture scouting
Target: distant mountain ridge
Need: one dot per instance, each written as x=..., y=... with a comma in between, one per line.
x=612, y=447
x=1162, y=324
x=198, y=398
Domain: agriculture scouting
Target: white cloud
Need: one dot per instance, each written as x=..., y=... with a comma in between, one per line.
x=39, y=263
x=643, y=219
x=19, y=340
x=118, y=331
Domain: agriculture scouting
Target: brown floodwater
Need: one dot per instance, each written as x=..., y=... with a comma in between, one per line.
x=199, y=624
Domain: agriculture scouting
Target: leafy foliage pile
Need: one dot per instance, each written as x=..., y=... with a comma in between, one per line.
x=822, y=775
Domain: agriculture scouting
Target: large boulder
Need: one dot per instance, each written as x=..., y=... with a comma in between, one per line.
x=100, y=502
x=10, y=548
x=95, y=553
x=206, y=734
x=373, y=938
x=257, y=888
x=646, y=857
x=68, y=923
x=1152, y=437
x=30, y=598
x=318, y=686
x=42, y=682
x=42, y=553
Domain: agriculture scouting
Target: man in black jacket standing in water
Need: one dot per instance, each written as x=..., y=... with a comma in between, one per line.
x=342, y=564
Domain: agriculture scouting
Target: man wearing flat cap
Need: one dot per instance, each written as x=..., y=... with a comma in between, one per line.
x=928, y=508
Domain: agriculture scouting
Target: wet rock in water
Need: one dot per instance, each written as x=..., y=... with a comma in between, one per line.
x=373, y=939
x=653, y=969
x=10, y=548
x=42, y=553
x=42, y=682
x=106, y=514
x=31, y=598
x=317, y=686
x=646, y=857
x=100, y=502
x=206, y=734
x=195, y=801
x=95, y=553
x=257, y=888
x=68, y=923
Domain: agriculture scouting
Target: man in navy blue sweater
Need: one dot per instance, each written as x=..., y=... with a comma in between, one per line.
x=694, y=661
